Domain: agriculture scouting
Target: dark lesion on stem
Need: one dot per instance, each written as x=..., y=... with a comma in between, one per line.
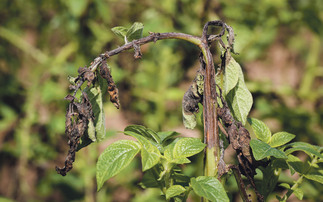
x=239, y=139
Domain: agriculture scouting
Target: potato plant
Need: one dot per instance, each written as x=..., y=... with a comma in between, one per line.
x=221, y=93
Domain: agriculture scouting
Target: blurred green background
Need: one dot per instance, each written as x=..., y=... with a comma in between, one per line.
x=41, y=42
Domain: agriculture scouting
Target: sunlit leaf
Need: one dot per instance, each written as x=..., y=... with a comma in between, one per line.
x=120, y=31
x=231, y=75
x=114, y=159
x=240, y=98
x=150, y=154
x=280, y=138
x=169, y=155
x=315, y=175
x=186, y=147
x=174, y=190
x=209, y=188
x=262, y=150
x=260, y=129
x=135, y=31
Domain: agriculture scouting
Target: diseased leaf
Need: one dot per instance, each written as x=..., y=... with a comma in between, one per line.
x=240, y=99
x=231, y=75
x=260, y=129
x=115, y=158
x=262, y=150
x=135, y=31
x=150, y=154
x=120, y=31
x=281, y=138
x=174, y=190
x=209, y=188
x=95, y=97
x=189, y=120
x=91, y=130
x=186, y=147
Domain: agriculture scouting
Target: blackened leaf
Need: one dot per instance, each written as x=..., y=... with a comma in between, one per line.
x=95, y=97
x=209, y=188
x=115, y=158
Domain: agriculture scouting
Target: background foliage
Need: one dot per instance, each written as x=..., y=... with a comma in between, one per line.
x=41, y=42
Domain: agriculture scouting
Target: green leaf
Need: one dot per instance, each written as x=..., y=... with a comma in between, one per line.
x=120, y=31
x=186, y=147
x=150, y=154
x=135, y=31
x=285, y=185
x=260, y=129
x=115, y=158
x=189, y=120
x=143, y=131
x=281, y=138
x=240, y=98
x=305, y=147
x=166, y=135
x=174, y=190
x=169, y=155
x=149, y=180
x=295, y=164
x=262, y=150
x=315, y=177
x=91, y=130
x=95, y=96
x=298, y=193
x=209, y=188
x=231, y=75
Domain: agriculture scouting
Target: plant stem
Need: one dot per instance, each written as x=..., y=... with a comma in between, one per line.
x=299, y=180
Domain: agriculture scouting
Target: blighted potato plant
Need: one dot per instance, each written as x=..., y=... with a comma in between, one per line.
x=220, y=91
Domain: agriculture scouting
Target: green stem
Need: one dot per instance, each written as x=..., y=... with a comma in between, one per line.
x=299, y=180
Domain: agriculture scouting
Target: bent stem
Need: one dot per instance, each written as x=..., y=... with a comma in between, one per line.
x=211, y=134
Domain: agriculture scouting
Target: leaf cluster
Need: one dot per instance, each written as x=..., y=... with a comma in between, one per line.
x=161, y=154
